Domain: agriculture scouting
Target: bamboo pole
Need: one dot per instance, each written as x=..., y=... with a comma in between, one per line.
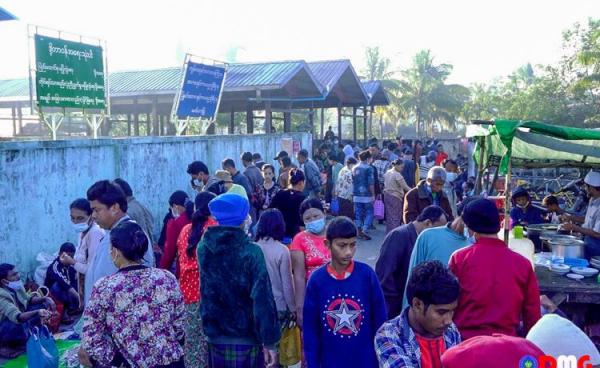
x=481, y=168
x=507, y=200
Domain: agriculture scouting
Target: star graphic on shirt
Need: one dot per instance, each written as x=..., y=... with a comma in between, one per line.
x=344, y=317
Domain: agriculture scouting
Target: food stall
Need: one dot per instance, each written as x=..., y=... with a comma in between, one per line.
x=507, y=144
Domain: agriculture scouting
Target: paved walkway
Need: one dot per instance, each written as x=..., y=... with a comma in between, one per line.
x=368, y=251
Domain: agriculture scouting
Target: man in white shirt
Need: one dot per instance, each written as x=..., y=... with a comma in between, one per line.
x=591, y=222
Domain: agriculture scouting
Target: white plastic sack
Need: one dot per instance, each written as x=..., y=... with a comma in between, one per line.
x=44, y=259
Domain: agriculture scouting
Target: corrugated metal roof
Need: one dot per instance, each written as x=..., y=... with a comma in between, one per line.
x=239, y=77
x=339, y=75
x=166, y=81
x=376, y=93
x=329, y=72
x=145, y=81
x=14, y=88
x=262, y=74
x=371, y=87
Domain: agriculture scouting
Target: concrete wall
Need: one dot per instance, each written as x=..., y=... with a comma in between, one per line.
x=38, y=180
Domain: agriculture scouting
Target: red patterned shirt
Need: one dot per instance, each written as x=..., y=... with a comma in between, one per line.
x=189, y=277
x=316, y=254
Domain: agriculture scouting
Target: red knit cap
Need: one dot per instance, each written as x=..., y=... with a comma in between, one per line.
x=497, y=351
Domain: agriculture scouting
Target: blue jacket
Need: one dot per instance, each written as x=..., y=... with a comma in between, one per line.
x=533, y=216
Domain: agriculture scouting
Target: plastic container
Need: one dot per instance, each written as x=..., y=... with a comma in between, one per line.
x=519, y=244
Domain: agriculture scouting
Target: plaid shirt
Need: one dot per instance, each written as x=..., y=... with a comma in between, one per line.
x=396, y=345
x=382, y=167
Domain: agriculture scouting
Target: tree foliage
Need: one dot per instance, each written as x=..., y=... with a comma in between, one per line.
x=565, y=93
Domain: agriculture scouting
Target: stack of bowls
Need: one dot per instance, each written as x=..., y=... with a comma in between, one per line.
x=595, y=262
x=560, y=269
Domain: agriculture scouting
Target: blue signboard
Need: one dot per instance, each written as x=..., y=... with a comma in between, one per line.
x=200, y=91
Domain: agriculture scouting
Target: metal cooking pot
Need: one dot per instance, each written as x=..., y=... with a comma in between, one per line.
x=534, y=231
x=563, y=249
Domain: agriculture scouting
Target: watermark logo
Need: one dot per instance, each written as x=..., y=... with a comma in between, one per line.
x=528, y=362
x=562, y=361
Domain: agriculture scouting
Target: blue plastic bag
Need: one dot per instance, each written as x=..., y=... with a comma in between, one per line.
x=41, y=349
x=335, y=206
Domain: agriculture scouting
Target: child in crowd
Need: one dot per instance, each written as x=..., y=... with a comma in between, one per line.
x=524, y=212
x=553, y=208
x=61, y=279
x=343, y=306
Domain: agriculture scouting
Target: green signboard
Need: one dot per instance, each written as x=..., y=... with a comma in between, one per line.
x=69, y=74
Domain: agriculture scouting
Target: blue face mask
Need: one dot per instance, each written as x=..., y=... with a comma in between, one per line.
x=316, y=227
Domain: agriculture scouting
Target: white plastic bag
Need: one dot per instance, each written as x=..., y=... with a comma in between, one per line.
x=44, y=259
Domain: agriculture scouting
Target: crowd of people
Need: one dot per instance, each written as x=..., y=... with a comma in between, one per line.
x=257, y=249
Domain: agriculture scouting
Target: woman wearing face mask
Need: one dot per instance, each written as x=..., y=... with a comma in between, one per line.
x=90, y=235
x=135, y=317
x=308, y=249
x=19, y=310
x=523, y=212
x=451, y=168
x=182, y=210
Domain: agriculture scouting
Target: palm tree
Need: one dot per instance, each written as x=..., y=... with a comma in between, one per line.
x=423, y=92
x=378, y=67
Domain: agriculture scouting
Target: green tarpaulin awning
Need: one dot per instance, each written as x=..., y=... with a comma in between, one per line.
x=530, y=144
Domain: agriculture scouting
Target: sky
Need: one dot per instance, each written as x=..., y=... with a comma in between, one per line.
x=483, y=39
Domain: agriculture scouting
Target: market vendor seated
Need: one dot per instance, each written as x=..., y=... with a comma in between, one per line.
x=590, y=227
x=523, y=212
x=61, y=279
x=18, y=310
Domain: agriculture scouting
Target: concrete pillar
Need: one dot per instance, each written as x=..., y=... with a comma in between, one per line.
x=339, y=113
x=268, y=118
x=249, y=120
x=20, y=118
x=354, y=124
x=365, y=124
x=14, y=120
x=154, y=115
x=322, y=123
x=231, y=128
x=311, y=121
x=128, y=124
x=136, y=123
x=287, y=122
x=148, y=124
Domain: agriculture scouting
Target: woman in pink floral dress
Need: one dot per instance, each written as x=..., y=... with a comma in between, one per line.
x=308, y=249
x=135, y=317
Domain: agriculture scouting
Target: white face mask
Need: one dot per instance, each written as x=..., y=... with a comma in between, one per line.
x=467, y=234
x=174, y=214
x=80, y=227
x=523, y=206
x=247, y=224
x=16, y=285
x=450, y=177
